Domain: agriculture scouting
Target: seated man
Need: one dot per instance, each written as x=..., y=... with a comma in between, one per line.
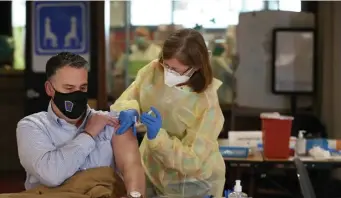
x=71, y=136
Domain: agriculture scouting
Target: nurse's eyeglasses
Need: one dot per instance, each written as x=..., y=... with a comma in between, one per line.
x=189, y=72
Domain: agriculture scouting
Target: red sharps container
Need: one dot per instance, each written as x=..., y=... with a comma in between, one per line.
x=276, y=135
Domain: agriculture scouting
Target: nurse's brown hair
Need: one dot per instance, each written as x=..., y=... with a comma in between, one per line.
x=188, y=47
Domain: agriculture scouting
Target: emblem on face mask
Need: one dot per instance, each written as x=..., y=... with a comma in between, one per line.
x=68, y=106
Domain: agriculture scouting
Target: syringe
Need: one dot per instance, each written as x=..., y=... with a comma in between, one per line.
x=135, y=118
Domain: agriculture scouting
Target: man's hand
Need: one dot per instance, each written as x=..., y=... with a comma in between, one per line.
x=117, y=124
x=97, y=122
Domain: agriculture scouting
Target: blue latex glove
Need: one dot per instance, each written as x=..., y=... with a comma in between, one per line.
x=127, y=120
x=227, y=193
x=152, y=123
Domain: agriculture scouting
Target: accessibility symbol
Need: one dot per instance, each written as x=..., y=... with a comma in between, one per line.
x=61, y=26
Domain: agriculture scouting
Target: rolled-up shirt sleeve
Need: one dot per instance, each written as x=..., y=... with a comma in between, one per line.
x=40, y=158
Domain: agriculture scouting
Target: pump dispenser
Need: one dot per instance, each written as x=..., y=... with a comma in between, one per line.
x=237, y=187
x=300, y=134
x=237, y=191
x=300, y=148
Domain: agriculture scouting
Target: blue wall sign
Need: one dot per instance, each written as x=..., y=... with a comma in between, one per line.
x=61, y=26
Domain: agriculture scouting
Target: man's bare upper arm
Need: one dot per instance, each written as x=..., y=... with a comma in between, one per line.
x=126, y=149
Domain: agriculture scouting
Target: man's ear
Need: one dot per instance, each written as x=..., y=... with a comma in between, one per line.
x=49, y=89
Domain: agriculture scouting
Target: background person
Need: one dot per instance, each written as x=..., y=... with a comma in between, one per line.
x=143, y=48
x=222, y=70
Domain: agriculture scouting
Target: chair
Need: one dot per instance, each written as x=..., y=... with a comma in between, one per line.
x=304, y=180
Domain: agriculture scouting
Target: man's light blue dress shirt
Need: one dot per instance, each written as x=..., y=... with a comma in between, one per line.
x=52, y=150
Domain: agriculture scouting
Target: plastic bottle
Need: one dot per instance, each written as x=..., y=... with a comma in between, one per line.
x=300, y=148
x=237, y=191
x=334, y=144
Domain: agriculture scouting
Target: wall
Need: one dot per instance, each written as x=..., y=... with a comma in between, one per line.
x=12, y=96
x=329, y=49
x=117, y=13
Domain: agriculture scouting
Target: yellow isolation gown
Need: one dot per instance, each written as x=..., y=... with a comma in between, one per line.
x=186, y=147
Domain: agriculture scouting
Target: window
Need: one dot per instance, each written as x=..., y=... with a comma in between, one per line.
x=285, y=5
x=290, y=5
x=150, y=12
x=212, y=13
x=208, y=13
x=19, y=24
x=273, y=5
x=252, y=5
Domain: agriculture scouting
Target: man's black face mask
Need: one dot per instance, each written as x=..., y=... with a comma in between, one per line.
x=73, y=104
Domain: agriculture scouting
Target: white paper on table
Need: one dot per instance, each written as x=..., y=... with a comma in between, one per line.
x=245, y=138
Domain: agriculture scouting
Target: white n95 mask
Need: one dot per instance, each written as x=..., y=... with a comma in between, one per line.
x=172, y=79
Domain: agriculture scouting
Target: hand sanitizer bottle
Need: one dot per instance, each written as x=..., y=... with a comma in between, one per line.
x=300, y=148
x=237, y=191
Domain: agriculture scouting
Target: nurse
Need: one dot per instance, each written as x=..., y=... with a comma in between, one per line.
x=180, y=149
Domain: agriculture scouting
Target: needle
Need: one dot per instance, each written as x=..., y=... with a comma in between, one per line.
x=135, y=119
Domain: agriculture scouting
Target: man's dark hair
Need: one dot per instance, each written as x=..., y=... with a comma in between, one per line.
x=64, y=59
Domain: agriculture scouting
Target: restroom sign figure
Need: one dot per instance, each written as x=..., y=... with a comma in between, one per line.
x=61, y=26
